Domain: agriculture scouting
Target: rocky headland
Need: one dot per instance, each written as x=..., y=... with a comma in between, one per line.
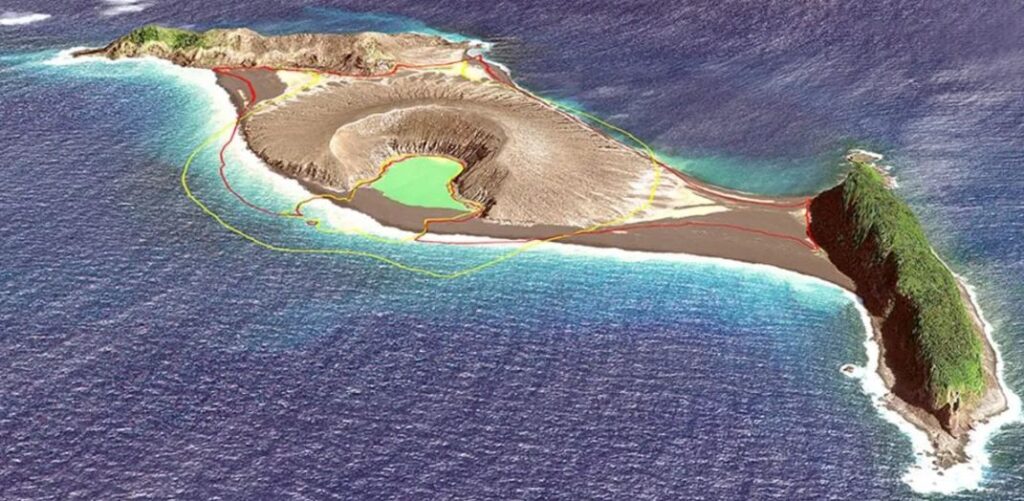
x=935, y=355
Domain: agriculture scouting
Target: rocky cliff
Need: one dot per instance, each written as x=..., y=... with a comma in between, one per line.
x=933, y=349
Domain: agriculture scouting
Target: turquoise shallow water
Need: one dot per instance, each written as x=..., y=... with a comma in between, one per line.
x=144, y=349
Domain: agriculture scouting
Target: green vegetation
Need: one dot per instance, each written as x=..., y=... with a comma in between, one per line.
x=944, y=330
x=172, y=37
x=421, y=182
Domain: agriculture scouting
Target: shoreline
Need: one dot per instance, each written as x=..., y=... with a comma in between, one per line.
x=926, y=475
x=753, y=229
x=944, y=429
x=977, y=438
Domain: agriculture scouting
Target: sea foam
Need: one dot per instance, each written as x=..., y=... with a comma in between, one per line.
x=924, y=476
x=21, y=18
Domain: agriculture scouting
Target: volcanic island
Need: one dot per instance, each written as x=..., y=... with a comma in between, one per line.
x=341, y=113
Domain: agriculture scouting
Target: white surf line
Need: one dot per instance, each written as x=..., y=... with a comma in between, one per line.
x=969, y=476
x=925, y=477
x=476, y=48
x=65, y=57
x=257, y=171
x=922, y=477
x=483, y=48
x=10, y=18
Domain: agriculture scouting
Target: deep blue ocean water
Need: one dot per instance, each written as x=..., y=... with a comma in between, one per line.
x=145, y=351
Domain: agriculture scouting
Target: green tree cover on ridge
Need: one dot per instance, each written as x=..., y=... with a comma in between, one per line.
x=943, y=329
x=172, y=37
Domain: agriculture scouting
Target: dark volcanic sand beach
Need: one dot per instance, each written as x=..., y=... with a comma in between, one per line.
x=265, y=84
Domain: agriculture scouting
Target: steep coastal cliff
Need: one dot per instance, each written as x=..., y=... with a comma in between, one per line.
x=934, y=354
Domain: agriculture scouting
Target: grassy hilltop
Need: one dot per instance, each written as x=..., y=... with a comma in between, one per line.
x=943, y=329
x=173, y=38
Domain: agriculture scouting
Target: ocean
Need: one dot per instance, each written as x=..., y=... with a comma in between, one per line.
x=147, y=352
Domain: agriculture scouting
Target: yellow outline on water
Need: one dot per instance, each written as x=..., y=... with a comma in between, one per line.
x=314, y=80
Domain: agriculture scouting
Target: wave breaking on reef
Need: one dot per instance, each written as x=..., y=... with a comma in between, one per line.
x=924, y=476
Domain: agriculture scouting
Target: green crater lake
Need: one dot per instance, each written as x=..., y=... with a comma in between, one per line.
x=421, y=181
